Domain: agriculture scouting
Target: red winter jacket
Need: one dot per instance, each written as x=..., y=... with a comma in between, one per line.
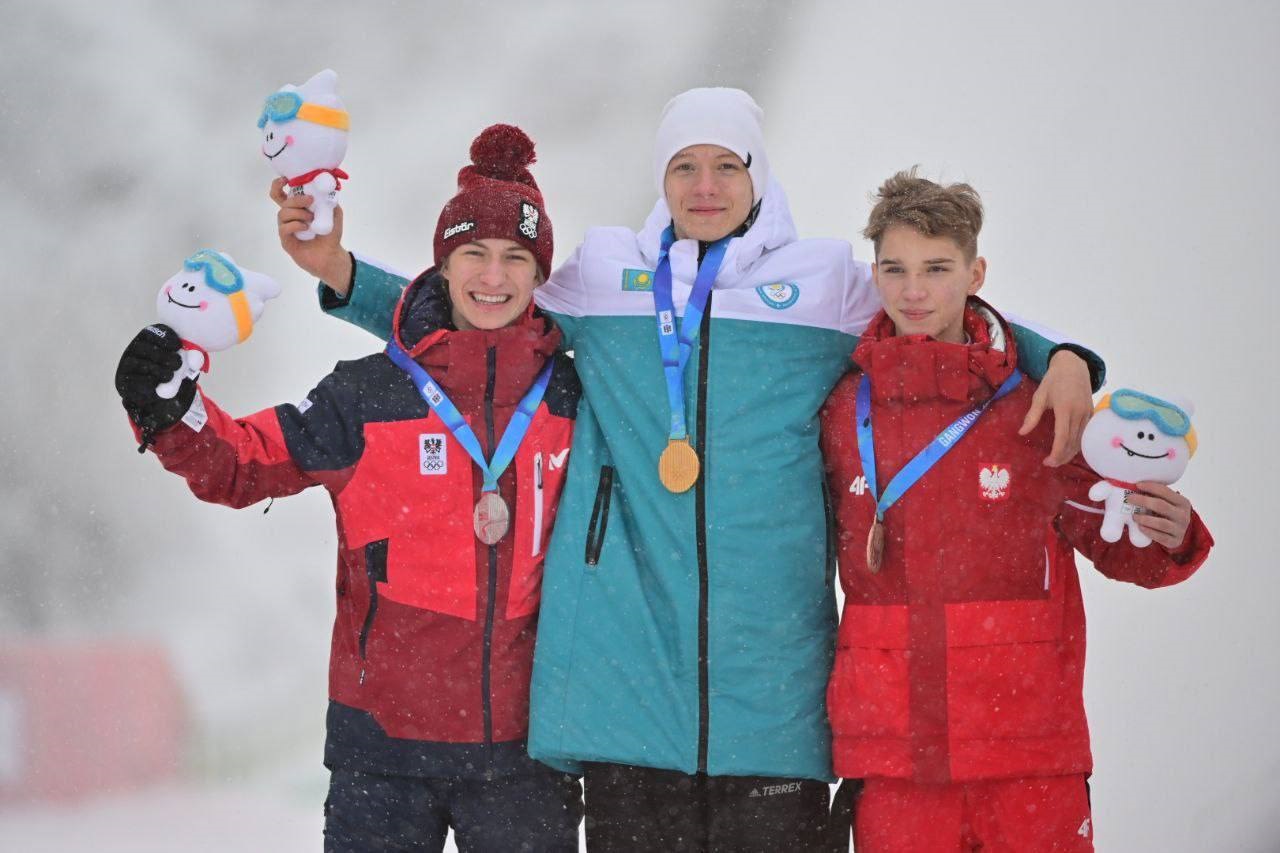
x=433, y=641
x=963, y=658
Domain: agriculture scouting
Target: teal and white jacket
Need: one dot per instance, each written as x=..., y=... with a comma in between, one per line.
x=695, y=631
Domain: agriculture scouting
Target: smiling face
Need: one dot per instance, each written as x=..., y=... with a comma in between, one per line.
x=709, y=192
x=197, y=312
x=491, y=282
x=204, y=315
x=295, y=147
x=925, y=281
x=1133, y=450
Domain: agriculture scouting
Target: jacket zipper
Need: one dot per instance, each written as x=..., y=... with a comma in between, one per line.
x=599, y=522
x=491, y=369
x=375, y=567
x=700, y=535
x=537, y=504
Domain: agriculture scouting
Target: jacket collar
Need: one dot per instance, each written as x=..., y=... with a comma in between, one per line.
x=459, y=359
x=772, y=229
x=918, y=368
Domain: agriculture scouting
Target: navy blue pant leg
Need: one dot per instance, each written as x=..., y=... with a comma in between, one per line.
x=366, y=812
x=517, y=814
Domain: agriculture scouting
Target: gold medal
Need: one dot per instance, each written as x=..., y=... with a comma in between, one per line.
x=678, y=466
x=875, y=546
x=491, y=518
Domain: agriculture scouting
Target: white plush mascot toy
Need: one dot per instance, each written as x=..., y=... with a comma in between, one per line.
x=1134, y=437
x=304, y=138
x=212, y=304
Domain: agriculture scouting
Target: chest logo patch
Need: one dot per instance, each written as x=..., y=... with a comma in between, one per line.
x=433, y=454
x=556, y=460
x=638, y=280
x=993, y=481
x=780, y=295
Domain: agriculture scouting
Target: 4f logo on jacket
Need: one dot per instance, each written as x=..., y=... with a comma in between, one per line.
x=859, y=485
x=433, y=454
x=993, y=480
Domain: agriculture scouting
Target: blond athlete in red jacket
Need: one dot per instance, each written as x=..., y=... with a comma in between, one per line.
x=956, y=695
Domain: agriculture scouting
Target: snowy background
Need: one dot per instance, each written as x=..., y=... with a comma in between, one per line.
x=1126, y=154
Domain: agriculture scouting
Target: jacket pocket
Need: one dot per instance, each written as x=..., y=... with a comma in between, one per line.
x=868, y=695
x=599, y=515
x=538, y=499
x=375, y=566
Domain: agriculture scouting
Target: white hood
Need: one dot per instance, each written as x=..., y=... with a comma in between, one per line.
x=772, y=229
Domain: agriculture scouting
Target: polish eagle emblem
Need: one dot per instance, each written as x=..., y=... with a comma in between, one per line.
x=993, y=479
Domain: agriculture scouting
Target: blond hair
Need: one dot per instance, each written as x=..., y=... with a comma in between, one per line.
x=935, y=210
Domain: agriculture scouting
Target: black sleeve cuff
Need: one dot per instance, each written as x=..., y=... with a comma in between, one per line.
x=1097, y=367
x=329, y=298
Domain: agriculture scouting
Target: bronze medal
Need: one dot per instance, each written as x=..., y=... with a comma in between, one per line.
x=678, y=466
x=492, y=519
x=875, y=546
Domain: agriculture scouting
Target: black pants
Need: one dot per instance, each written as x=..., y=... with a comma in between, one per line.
x=643, y=809
x=367, y=812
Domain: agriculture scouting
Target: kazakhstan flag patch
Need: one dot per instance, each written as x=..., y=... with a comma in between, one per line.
x=637, y=280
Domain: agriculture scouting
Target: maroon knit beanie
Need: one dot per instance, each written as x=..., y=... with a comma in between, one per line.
x=497, y=197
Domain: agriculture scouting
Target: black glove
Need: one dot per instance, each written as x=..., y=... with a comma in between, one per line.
x=151, y=358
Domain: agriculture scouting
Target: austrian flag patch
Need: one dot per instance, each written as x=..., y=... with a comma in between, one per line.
x=993, y=481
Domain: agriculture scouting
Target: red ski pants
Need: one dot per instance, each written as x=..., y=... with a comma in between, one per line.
x=1029, y=815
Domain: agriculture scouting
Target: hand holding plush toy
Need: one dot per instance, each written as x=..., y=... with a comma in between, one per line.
x=212, y=304
x=304, y=138
x=1135, y=437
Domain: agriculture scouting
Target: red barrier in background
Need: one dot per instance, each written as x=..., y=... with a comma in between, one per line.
x=83, y=718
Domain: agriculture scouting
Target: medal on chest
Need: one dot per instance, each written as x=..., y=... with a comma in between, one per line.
x=914, y=470
x=491, y=518
x=679, y=465
x=875, y=546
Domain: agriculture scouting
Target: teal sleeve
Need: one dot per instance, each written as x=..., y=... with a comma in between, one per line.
x=371, y=299
x=1035, y=350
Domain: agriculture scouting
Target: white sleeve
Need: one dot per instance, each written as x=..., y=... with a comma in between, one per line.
x=564, y=297
x=861, y=300
x=564, y=293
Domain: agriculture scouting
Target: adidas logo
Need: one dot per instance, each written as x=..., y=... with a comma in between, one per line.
x=773, y=790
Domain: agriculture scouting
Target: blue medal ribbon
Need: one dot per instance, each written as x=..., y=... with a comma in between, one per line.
x=677, y=345
x=440, y=403
x=925, y=459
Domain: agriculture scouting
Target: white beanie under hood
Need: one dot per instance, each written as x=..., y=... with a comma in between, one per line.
x=713, y=116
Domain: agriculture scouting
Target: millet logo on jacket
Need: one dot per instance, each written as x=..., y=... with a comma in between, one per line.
x=556, y=460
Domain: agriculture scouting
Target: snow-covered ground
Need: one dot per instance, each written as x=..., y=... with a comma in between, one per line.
x=1126, y=153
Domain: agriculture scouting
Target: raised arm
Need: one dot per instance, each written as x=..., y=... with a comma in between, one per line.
x=358, y=290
